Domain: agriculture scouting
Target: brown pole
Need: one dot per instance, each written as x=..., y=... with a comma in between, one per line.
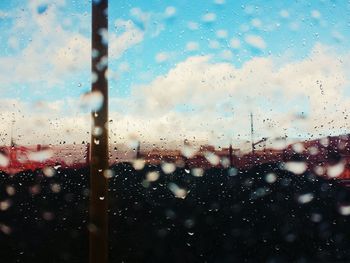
x=98, y=226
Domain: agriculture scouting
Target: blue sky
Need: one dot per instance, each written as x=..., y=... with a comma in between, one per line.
x=174, y=60
x=297, y=33
x=292, y=27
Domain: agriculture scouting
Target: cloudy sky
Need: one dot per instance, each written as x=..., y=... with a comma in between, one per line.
x=178, y=69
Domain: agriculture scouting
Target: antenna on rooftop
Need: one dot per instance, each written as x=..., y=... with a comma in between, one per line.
x=252, y=132
x=138, y=150
x=12, y=141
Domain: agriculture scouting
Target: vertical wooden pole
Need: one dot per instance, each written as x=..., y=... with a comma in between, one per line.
x=98, y=227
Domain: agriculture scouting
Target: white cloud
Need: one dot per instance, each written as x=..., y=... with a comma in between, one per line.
x=197, y=98
x=219, y=96
x=55, y=54
x=52, y=53
x=255, y=41
x=149, y=22
x=130, y=35
x=140, y=15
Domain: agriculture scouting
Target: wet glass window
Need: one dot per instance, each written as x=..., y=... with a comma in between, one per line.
x=174, y=131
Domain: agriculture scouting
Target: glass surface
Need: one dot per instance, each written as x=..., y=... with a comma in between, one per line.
x=228, y=130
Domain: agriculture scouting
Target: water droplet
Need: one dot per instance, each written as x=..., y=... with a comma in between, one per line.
x=305, y=198
x=4, y=161
x=10, y=190
x=188, y=151
x=152, y=176
x=335, y=170
x=170, y=11
x=94, y=77
x=344, y=210
x=232, y=172
x=270, y=178
x=40, y=156
x=212, y=158
x=49, y=171
x=5, y=229
x=92, y=228
x=104, y=34
x=4, y=205
x=97, y=131
x=42, y=8
x=91, y=101
x=197, y=172
x=298, y=147
x=48, y=216
x=315, y=14
x=324, y=141
x=108, y=173
x=295, y=167
x=138, y=164
x=94, y=53
x=55, y=188
x=209, y=17
x=178, y=191
x=316, y=217
x=319, y=170
x=145, y=183
x=313, y=150
x=168, y=168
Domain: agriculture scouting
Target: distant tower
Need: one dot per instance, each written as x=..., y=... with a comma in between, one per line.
x=12, y=141
x=138, y=150
x=231, y=155
x=185, y=159
x=252, y=132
